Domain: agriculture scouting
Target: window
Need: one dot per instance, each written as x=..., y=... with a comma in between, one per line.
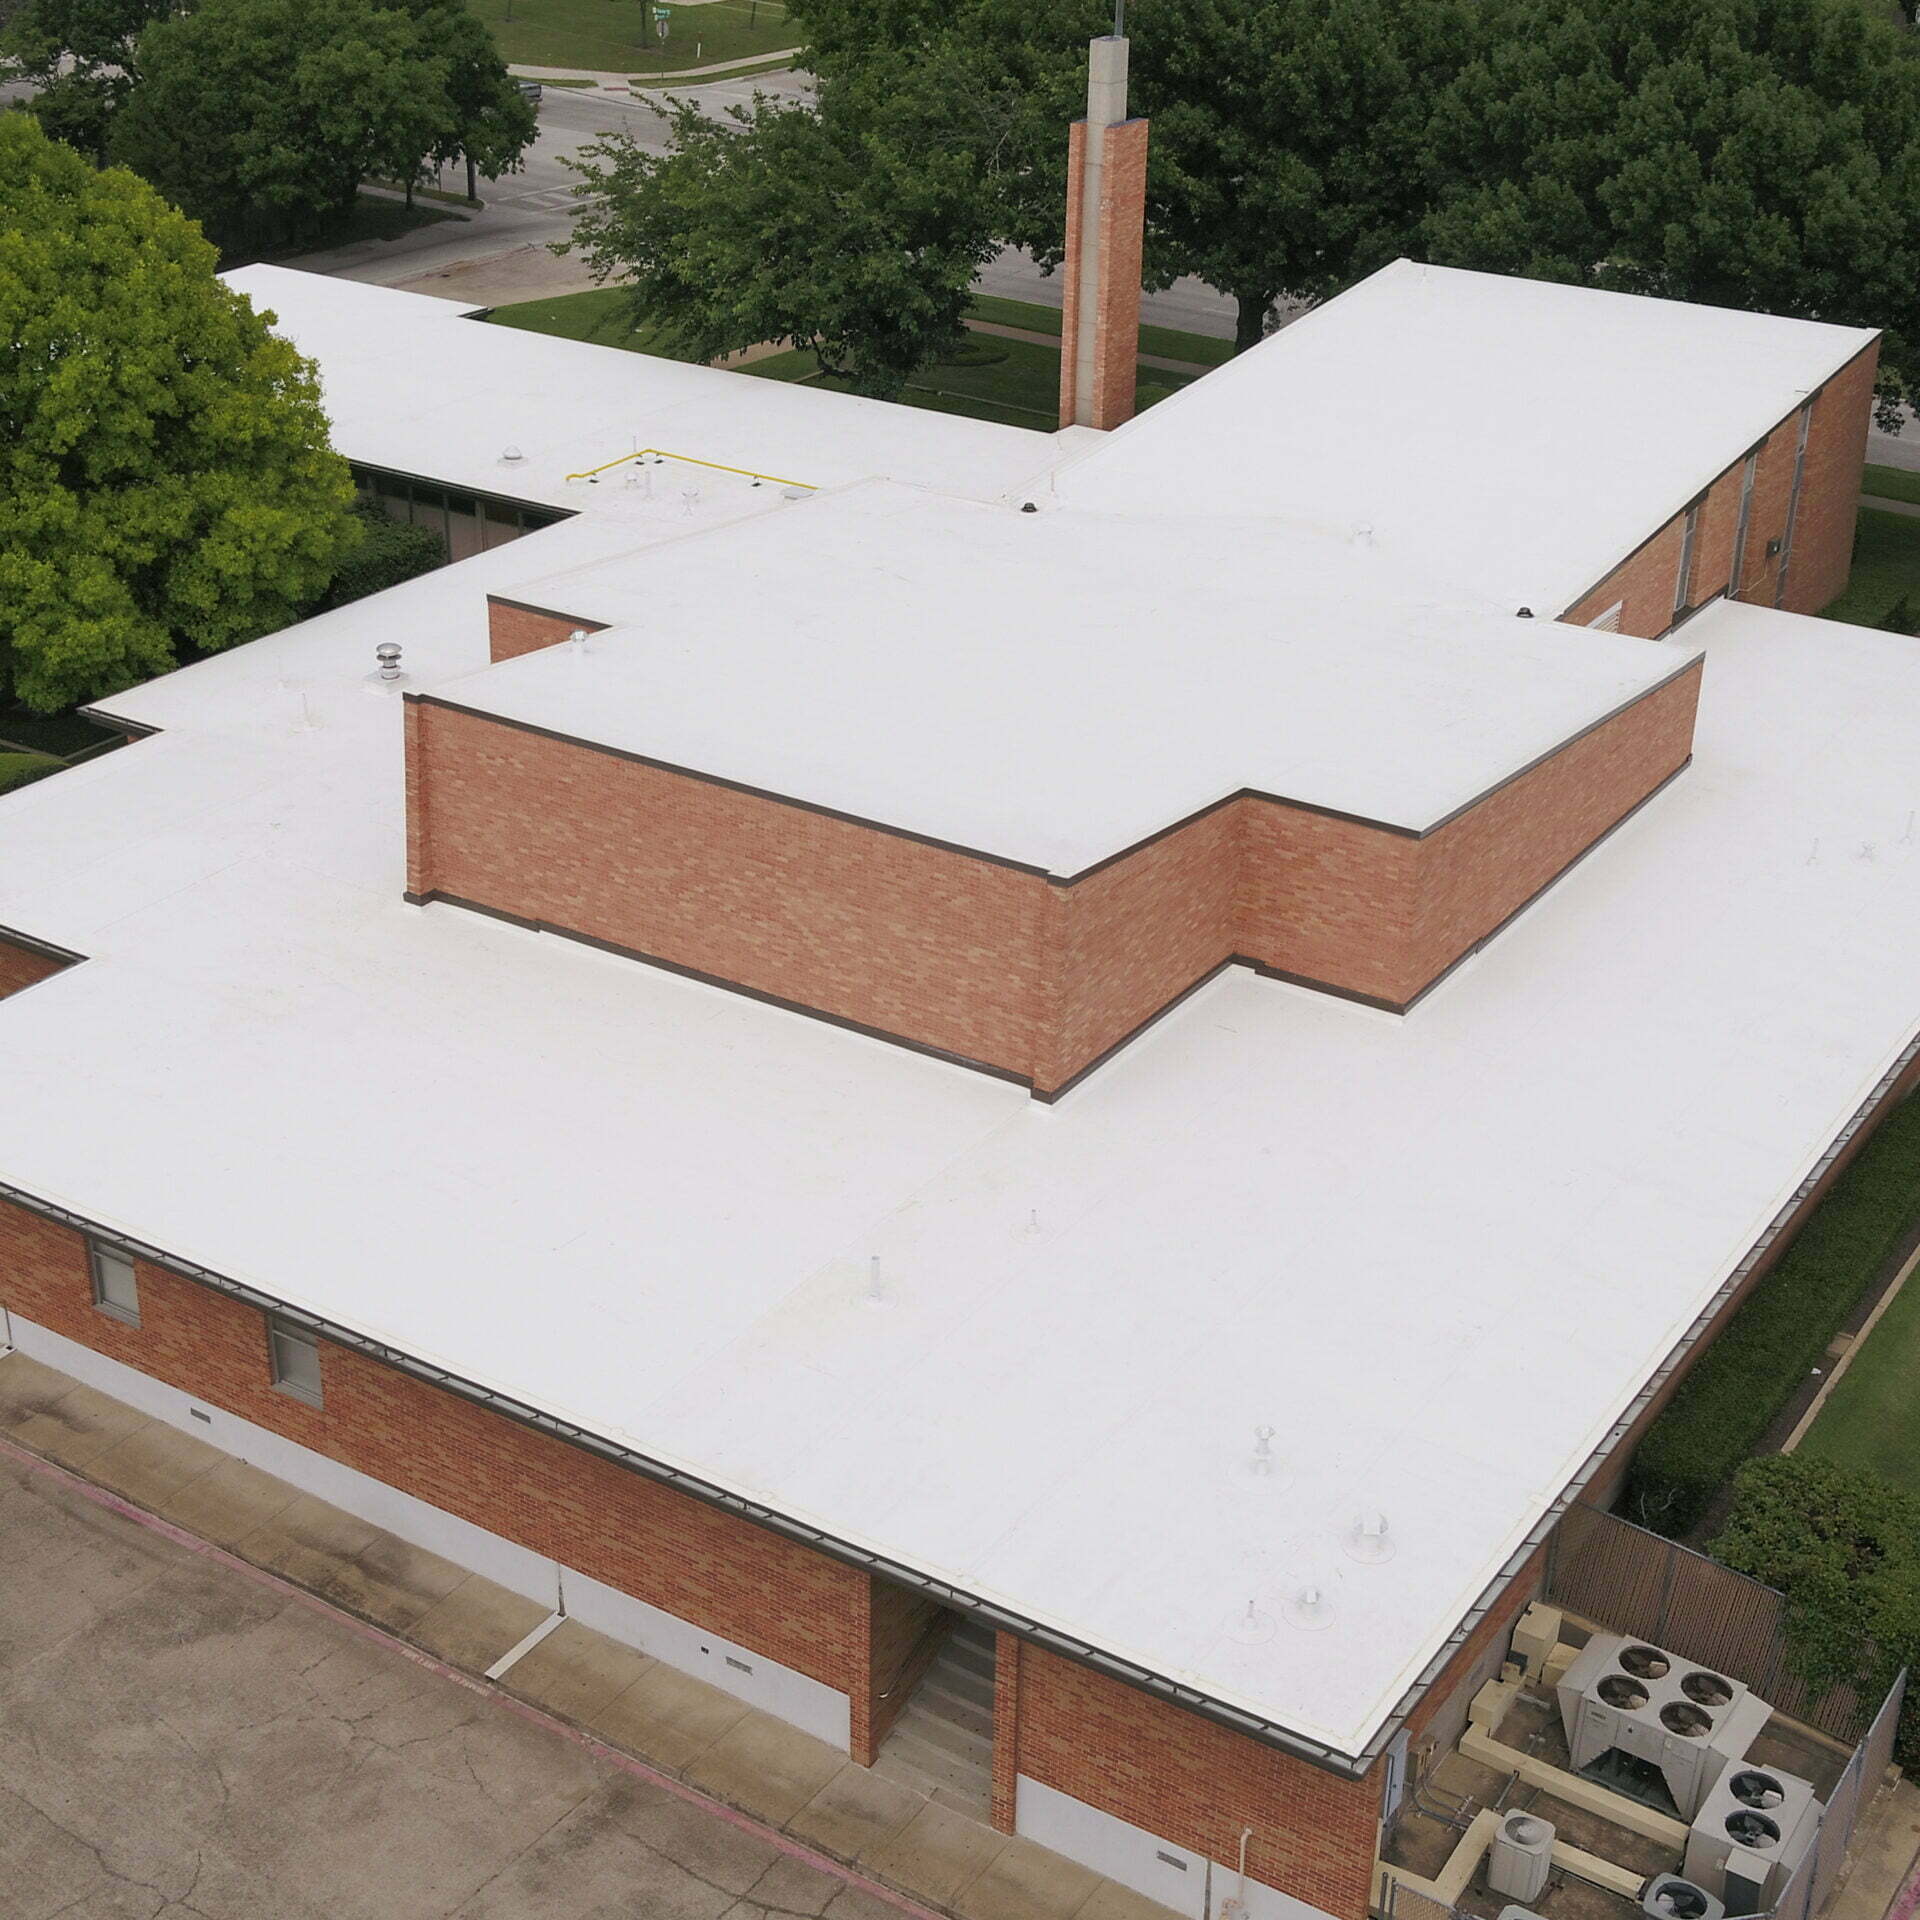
x=1683, y=580
x=1609, y=622
x=1740, y=533
x=115, y=1289
x=296, y=1361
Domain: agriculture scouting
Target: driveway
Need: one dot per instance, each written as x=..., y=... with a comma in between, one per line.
x=179, y=1737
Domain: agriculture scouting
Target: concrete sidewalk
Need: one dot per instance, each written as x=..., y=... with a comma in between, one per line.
x=793, y=1785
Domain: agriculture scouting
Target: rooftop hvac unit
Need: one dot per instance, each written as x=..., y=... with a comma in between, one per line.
x=1751, y=1834
x=1521, y=1856
x=1668, y=1897
x=1667, y=1717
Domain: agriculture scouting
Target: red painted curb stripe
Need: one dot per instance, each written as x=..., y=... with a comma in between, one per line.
x=1908, y=1898
x=612, y=1756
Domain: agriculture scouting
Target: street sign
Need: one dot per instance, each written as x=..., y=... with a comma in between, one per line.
x=660, y=18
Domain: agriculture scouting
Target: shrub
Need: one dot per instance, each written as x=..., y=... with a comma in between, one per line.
x=388, y=553
x=19, y=769
x=1844, y=1547
x=1774, y=1341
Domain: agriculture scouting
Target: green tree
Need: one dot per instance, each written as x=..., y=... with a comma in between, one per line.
x=1289, y=153
x=1844, y=1547
x=1744, y=153
x=489, y=122
x=165, y=478
x=854, y=226
x=261, y=117
x=80, y=57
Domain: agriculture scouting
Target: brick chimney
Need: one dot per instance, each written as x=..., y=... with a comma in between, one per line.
x=1106, y=226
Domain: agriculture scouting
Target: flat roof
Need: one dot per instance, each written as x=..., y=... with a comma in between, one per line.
x=1437, y=1255
x=1513, y=437
x=415, y=385
x=1052, y=688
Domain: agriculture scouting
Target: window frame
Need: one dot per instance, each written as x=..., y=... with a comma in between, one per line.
x=99, y=1251
x=280, y=1330
x=1689, y=555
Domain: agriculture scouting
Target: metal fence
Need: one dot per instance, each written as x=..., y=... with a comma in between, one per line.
x=1607, y=1569
x=1613, y=1573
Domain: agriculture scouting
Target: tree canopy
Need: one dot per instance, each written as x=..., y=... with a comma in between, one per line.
x=260, y=118
x=1756, y=153
x=165, y=478
x=80, y=56
x=1743, y=153
x=1844, y=1547
x=853, y=226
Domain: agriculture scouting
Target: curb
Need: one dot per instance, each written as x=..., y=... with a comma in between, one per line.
x=99, y=1496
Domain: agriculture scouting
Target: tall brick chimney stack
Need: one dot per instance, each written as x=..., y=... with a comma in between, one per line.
x=1106, y=227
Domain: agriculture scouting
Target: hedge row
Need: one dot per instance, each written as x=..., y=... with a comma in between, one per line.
x=1777, y=1337
x=388, y=553
x=16, y=769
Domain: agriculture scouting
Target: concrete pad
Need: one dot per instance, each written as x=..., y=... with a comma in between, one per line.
x=26, y=1388
x=1886, y=1845
x=857, y=1808
x=1026, y=1882
x=576, y=1672
x=228, y=1502
x=715, y=1850
x=791, y=1886
x=306, y=1541
x=935, y=1855
x=855, y=1905
x=767, y=1767
x=153, y=1463
x=1111, y=1901
x=589, y=1868
x=666, y=1716
x=77, y=1427
x=475, y=1623
x=390, y=1581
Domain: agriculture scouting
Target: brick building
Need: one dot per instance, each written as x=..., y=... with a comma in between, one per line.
x=897, y=1023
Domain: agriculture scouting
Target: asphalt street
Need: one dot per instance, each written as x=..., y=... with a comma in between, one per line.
x=535, y=207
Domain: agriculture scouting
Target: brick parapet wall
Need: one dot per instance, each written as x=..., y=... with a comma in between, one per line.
x=24, y=966
x=1823, y=532
x=514, y=628
x=989, y=962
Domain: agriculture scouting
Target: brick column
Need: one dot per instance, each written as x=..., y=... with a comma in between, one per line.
x=419, y=875
x=1006, y=1728
x=1106, y=228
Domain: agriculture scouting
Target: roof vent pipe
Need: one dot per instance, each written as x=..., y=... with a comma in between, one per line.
x=388, y=655
x=1368, y=1539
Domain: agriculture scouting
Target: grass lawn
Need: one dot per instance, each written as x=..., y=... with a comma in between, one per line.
x=16, y=769
x=1886, y=569
x=1014, y=382
x=1892, y=483
x=1872, y=1417
x=1169, y=342
x=604, y=35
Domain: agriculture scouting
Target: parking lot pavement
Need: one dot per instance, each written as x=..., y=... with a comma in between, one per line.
x=179, y=1737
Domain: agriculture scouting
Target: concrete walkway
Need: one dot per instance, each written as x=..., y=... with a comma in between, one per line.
x=794, y=1791
x=1039, y=339
x=1881, y=504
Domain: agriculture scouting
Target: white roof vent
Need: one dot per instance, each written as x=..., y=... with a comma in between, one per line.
x=1368, y=1539
x=1310, y=1608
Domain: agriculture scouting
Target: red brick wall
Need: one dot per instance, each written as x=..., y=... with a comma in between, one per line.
x=1478, y=868
x=1136, y=934
x=22, y=966
x=513, y=629
x=1070, y=270
x=1329, y=900
x=1197, y=1784
x=930, y=945
x=1830, y=491
x=1823, y=534
x=1007, y=1653
x=995, y=964
x=765, y=1593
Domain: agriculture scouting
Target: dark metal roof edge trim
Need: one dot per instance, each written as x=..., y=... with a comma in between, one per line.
x=1235, y=1719
x=1536, y=1536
